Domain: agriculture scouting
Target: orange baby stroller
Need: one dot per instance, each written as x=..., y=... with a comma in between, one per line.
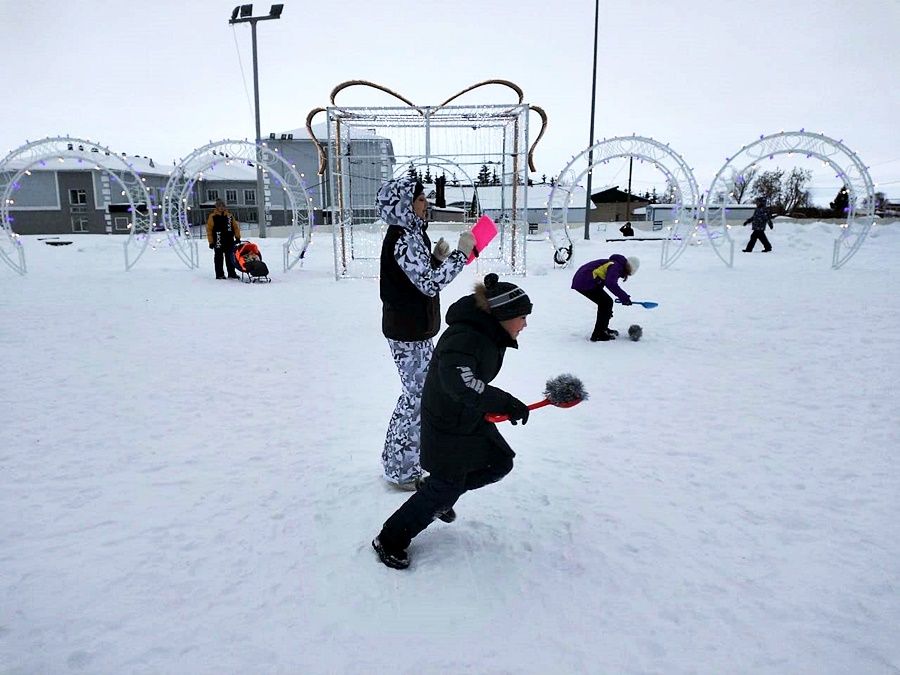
x=248, y=261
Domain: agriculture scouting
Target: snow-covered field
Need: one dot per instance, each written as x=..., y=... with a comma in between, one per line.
x=190, y=474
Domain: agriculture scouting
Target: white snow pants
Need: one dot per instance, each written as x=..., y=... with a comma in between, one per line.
x=400, y=457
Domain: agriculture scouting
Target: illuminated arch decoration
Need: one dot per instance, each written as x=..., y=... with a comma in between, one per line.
x=846, y=164
x=660, y=155
x=43, y=153
x=494, y=257
x=226, y=152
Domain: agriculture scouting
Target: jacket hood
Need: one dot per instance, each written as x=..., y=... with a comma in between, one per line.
x=466, y=311
x=394, y=203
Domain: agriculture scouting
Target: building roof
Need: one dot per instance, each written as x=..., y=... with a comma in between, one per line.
x=490, y=196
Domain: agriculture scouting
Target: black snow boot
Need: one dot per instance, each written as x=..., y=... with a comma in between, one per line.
x=398, y=560
x=447, y=516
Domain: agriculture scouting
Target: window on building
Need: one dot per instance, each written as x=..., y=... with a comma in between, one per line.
x=231, y=196
x=121, y=224
x=79, y=224
x=212, y=195
x=251, y=216
x=250, y=197
x=78, y=209
x=77, y=197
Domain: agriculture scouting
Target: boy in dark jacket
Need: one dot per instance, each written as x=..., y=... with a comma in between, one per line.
x=590, y=280
x=460, y=449
x=758, y=222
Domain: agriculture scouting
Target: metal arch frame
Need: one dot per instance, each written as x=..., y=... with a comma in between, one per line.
x=191, y=168
x=38, y=152
x=437, y=160
x=646, y=149
x=852, y=172
x=441, y=161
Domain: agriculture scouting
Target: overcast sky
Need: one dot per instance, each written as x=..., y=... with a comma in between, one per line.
x=161, y=78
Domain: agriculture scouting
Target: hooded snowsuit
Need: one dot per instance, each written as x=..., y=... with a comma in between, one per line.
x=590, y=280
x=460, y=449
x=411, y=279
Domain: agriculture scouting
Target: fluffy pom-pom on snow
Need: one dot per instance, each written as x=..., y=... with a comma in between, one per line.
x=635, y=332
x=564, y=388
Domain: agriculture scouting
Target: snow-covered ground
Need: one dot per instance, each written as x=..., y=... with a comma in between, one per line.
x=190, y=473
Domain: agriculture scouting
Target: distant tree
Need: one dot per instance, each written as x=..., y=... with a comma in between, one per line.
x=543, y=179
x=411, y=171
x=454, y=182
x=879, y=200
x=671, y=192
x=552, y=180
x=473, y=209
x=841, y=204
x=793, y=191
x=495, y=179
x=654, y=198
x=484, y=176
x=767, y=187
x=740, y=183
x=427, y=177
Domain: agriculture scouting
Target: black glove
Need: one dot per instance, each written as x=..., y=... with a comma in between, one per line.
x=212, y=246
x=626, y=301
x=517, y=411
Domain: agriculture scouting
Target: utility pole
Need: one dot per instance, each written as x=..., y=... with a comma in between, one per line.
x=245, y=12
x=587, y=201
x=628, y=198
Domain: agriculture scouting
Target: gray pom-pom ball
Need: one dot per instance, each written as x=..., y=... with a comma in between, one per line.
x=635, y=332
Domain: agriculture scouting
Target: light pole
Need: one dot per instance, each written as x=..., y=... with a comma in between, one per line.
x=587, y=201
x=245, y=12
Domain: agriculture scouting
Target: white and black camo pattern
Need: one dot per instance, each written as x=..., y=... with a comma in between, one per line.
x=394, y=204
x=400, y=457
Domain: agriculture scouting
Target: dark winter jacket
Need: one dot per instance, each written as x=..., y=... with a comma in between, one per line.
x=410, y=276
x=603, y=273
x=455, y=436
x=760, y=219
x=222, y=230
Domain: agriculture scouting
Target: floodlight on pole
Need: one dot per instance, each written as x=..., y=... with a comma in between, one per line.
x=246, y=12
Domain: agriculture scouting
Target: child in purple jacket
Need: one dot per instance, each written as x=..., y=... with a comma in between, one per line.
x=590, y=280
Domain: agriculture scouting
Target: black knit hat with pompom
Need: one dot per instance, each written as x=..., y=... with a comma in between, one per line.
x=505, y=300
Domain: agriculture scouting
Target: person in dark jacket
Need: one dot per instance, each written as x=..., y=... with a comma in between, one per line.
x=222, y=230
x=590, y=280
x=758, y=222
x=461, y=450
x=412, y=276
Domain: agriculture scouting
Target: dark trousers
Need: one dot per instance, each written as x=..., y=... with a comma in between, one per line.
x=435, y=495
x=217, y=261
x=755, y=236
x=604, y=309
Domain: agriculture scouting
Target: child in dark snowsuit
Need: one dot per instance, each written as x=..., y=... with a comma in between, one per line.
x=590, y=280
x=460, y=449
x=758, y=221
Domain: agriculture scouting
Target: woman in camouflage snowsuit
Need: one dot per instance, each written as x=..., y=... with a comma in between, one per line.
x=412, y=277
